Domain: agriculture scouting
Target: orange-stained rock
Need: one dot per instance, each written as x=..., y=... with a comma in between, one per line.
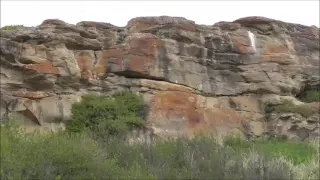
x=46, y=68
x=85, y=60
x=137, y=26
x=187, y=26
x=276, y=49
x=221, y=117
x=175, y=105
x=242, y=47
x=141, y=64
x=141, y=54
x=143, y=44
x=86, y=74
x=138, y=55
x=30, y=94
x=284, y=59
x=103, y=57
x=194, y=77
x=171, y=108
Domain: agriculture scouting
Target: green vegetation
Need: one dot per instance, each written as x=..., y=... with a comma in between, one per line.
x=107, y=115
x=297, y=152
x=289, y=107
x=12, y=27
x=60, y=156
x=91, y=148
x=78, y=156
x=311, y=96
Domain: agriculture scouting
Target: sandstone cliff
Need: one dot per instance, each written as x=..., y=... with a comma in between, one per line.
x=194, y=77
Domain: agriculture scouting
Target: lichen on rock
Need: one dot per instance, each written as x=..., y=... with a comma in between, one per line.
x=195, y=78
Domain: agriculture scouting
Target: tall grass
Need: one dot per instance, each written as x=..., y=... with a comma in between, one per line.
x=296, y=151
x=48, y=156
x=78, y=156
x=95, y=147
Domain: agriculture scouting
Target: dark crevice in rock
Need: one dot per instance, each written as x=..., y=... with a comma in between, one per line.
x=21, y=38
x=232, y=104
x=308, y=87
x=65, y=82
x=26, y=61
x=88, y=35
x=73, y=47
x=173, y=33
x=8, y=57
x=27, y=113
x=39, y=40
x=137, y=75
x=209, y=45
x=4, y=106
x=121, y=36
x=38, y=82
x=16, y=65
x=95, y=58
x=165, y=62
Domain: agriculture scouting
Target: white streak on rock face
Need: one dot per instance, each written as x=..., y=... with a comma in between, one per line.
x=252, y=40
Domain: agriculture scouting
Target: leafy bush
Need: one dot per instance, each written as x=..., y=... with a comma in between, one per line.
x=107, y=116
x=52, y=156
x=12, y=27
x=289, y=107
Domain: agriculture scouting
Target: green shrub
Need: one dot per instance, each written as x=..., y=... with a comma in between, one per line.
x=311, y=96
x=107, y=115
x=53, y=156
x=289, y=107
x=76, y=156
x=12, y=27
x=198, y=158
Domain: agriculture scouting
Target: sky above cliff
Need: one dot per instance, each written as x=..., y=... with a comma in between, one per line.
x=32, y=13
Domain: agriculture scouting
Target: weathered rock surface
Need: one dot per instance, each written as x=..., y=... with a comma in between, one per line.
x=195, y=78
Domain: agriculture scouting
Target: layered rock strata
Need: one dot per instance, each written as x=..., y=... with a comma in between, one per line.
x=195, y=78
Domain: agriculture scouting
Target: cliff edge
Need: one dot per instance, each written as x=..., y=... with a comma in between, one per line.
x=194, y=78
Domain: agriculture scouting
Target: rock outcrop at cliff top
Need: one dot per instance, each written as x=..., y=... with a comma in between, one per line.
x=194, y=77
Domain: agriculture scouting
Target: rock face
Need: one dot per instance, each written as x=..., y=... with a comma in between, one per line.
x=194, y=78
